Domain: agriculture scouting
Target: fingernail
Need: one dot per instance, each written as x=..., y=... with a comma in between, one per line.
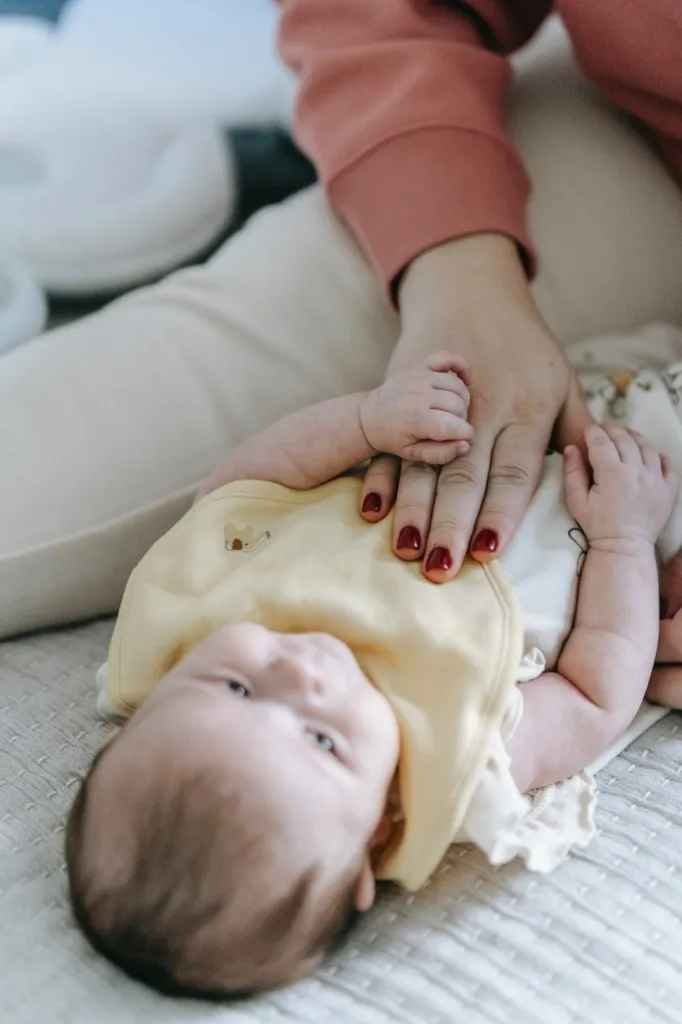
x=372, y=503
x=663, y=609
x=409, y=538
x=440, y=558
x=486, y=541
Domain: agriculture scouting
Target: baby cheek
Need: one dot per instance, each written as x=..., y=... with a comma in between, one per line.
x=380, y=738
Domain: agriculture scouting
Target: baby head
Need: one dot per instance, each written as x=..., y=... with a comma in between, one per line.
x=224, y=836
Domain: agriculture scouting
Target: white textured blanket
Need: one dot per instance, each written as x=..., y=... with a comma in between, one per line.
x=600, y=940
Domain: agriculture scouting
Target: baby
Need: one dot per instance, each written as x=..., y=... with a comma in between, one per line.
x=309, y=713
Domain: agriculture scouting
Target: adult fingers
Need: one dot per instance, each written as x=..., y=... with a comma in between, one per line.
x=379, y=487
x=413, y=508
x=517, y=461
x=461, y=486
x=574, y=418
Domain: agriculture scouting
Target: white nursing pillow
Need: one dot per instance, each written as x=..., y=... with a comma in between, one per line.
x=96, y=201
x=185, y=59
x=22, y=42
x=110, y=174
x=23, y=310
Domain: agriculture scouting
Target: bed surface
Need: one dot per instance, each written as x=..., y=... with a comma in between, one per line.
x=600, y=940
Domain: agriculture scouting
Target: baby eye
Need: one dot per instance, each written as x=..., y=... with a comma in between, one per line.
x=322, y=740
x=239, y=688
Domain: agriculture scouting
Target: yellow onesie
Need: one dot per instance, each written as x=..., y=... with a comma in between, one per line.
x=446, y=657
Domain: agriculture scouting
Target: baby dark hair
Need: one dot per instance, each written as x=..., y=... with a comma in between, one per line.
x=189, y=855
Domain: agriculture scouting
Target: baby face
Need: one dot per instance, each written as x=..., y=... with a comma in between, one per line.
x=290, y=713
x=240, y=806
x=302, y=694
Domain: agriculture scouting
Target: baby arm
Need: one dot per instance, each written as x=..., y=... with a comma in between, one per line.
x=418, y=414
x=572, y=715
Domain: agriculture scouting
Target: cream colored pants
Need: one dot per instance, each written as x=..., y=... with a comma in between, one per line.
x=108, y=425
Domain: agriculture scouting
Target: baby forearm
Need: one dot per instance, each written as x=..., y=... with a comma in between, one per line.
x=418, y=414
x=571, y=716
x=610, y=653
x=302, y=450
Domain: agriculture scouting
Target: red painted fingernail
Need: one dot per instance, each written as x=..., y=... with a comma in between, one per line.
x=372, y=503
x=486, y=541
x=409, y=538
x=440, y=558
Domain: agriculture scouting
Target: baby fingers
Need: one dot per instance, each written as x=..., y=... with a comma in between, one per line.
x=437, y=453
x=449, y=362
x=438, y=425
x=628, y=449
x=449, y=383
x=601, y=451
x=449, y=402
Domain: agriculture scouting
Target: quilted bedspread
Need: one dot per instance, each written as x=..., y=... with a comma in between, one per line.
x=600, y=940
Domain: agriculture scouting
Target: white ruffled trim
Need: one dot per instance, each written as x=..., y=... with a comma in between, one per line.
x=533, y=664
x=541, y=829
x=105, y=707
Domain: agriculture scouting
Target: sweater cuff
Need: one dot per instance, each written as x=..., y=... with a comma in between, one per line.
x=427, y=187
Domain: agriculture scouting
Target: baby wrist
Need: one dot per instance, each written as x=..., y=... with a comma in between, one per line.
x=366, y=420
x=626, y=545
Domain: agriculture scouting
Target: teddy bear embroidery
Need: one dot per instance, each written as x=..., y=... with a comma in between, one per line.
x=244, y=538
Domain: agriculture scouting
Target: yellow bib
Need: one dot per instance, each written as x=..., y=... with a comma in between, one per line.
x=445, y=656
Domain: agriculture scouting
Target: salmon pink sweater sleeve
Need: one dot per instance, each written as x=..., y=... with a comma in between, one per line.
x=402, y=107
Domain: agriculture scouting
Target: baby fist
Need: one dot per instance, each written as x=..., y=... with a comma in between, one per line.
x=420, y=414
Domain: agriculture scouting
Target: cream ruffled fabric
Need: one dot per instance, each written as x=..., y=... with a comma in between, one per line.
x=541, y=829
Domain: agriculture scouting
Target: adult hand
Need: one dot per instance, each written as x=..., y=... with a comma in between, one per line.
x=471, y=296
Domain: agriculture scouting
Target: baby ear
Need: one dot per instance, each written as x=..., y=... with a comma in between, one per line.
x=365, y=887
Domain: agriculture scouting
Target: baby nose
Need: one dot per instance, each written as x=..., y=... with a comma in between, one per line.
x=311, y=681
x=303, y=676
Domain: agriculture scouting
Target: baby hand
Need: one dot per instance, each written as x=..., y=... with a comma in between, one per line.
x=631, y=494
x=420, y=414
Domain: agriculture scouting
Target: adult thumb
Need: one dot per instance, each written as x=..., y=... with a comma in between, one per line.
x=573, y=419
